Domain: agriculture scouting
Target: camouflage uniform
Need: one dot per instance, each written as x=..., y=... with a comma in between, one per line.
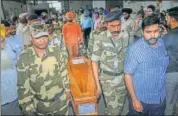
x=58, y=27
x=129, y=26
x=91, y=41
x=42, y=82
x=82, y=50
x=113, y=87
x=57, y=41
x=102, y=18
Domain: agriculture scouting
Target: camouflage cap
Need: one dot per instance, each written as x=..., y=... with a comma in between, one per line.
x=38, y=29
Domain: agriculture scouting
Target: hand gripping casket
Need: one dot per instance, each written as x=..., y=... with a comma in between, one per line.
x=83, y=86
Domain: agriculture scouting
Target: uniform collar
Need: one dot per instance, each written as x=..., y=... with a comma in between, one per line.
x=108, y=34
x=47, y=51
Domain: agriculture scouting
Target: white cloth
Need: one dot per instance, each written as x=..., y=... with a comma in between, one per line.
x=24, y=32
x=129, y=26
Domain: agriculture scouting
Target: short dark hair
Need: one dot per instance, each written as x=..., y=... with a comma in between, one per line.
x=81, y=11
x=150, y=20
x=97, y=13
x=14, y=18
x=141, y=13
x=152, y=7
x=173, y=12
x=6, y=23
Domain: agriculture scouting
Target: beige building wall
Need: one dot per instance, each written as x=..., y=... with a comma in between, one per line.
x=75, y=5
x=13, y=8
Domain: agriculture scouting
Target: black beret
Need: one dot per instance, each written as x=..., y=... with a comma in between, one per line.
x=32, y=17
x=173, y=11
x=113, y=15
x=127, y=10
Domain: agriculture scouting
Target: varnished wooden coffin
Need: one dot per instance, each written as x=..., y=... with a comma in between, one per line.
x=83, y=86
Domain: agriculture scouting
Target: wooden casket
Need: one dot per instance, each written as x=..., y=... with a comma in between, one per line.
x=83, y=86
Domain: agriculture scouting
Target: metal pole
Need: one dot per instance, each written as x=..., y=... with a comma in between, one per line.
x=3, y=10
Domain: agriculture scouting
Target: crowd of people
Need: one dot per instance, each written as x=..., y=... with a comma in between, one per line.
x=134, y=59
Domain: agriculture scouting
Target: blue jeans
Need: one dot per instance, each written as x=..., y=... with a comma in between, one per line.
x=148, y=109
x=171, y=92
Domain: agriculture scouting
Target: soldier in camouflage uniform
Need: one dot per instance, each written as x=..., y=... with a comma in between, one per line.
x=54, y=39
x=92, y=36
x=57, y=25
x=43, y=85
x=128, y=24
x=109, y=50
x=91, y=40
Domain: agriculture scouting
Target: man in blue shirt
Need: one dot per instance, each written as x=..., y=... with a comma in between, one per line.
x=171, y=43
x=145, y=67
x=16, y=41
x=9, y=96
x=87, y=26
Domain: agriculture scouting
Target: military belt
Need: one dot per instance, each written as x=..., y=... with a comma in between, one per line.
x=56, y=97
x=112, y=73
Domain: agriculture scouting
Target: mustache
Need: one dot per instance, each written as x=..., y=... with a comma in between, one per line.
x=13, y=33
x=115, y=32
x=153, y=38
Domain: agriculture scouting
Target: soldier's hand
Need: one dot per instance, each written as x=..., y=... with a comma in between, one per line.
x=98, y=92
x=137, y=105
x=164, y=29
x=81, y=42
x=69, y=96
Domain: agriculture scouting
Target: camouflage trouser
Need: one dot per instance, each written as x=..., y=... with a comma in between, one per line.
x=114, y=92
x=82, y=50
